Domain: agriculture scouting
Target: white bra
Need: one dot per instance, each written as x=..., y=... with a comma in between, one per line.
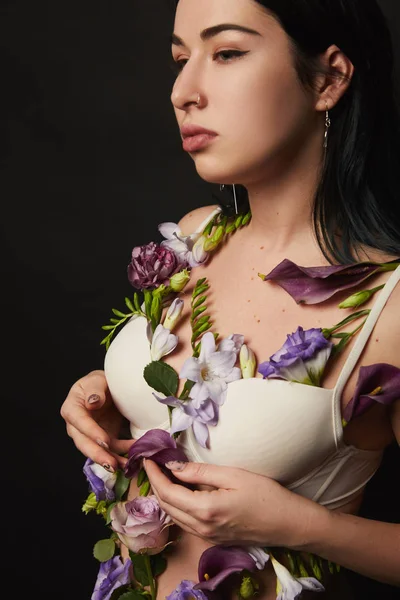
x=288, y=431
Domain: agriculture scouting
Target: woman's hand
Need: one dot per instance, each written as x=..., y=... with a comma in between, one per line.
x=241, y=508
x=93, y=422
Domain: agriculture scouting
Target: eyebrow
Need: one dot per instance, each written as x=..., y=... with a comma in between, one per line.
x=211, y=32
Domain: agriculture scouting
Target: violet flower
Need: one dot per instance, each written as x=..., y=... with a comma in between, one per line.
x=156, y=444
x=152, y=265
x=302, y=358
x=186, y=414
x=219, y=562
x=312, y=285
x=376, y=383
x=141, y=524
x=101, y=482
x=186, y=591
x=112, y=574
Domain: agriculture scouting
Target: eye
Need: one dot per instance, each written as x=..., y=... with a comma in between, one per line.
x=177, y=65
x=228, y=55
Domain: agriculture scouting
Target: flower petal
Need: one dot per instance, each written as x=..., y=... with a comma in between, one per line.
x=201, y=433
x=180, y=420
x=218, y=562
x=191, y=370
x=168, y=230
x=207, y=346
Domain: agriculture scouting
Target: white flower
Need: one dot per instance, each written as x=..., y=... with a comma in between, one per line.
x=232, y=342
x=259, y=556
x=289, y=587
x=189, y=249
x=163, y=342
x=173, y=314
x=247, y=362
x=211, y=371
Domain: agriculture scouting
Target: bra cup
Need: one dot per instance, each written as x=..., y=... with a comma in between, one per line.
x=272, y=427
x=127, y=356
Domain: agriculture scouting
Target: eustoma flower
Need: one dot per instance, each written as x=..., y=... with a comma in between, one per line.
x=376, y=383
x=311, y=285
x=141, y=524
x=112, y=574
x=151, y=265
x=185, y=591
x=302, y=358
x=289, y=587
x=156, y=444
x=101, y=481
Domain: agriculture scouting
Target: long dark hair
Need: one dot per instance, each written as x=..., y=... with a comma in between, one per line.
x=357, y=200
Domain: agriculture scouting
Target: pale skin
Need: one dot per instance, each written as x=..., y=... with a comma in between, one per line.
x=270, y=138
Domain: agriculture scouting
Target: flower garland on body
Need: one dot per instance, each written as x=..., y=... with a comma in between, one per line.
x=159, y=272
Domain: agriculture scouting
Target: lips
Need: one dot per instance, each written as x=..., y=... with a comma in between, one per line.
x=195, y=137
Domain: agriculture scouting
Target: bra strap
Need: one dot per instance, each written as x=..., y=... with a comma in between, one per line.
x=357, y=349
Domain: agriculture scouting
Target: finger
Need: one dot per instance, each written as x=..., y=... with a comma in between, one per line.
x=226, y=478
x=77, y=416
x=94, y=451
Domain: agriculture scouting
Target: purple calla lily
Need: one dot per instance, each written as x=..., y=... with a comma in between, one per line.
x=218, y=562
x=312, y=285
x=156, y=444
x=376, y=383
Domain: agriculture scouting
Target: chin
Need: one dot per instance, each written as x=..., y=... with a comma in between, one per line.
x=215, y=171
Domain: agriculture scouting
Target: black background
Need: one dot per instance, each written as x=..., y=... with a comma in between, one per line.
x=91, y=163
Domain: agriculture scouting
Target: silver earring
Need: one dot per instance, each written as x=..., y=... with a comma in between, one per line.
x=327, y=125
x=222, y=187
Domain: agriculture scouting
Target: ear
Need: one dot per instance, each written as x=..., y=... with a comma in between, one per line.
x=332, y=85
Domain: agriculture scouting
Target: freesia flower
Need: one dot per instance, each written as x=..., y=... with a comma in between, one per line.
x=156, y=444
x=101, y=482
x=186, y=591
x=112, y=574
x=312, y=285
x=141, y=524
x=189, y=249
x=375, y=383
x=151, y=265
x=174, y=313
x=302, y=358
x=185, y=414
x=247, y=362
x=162, y=342
x=259, y=556
x=212, y=370
x=289, y=587
x=233, y=342
x=218, y=562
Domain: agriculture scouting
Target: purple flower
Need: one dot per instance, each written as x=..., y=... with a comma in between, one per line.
x=101, y=481
x=112, y=574
x=141, y=524
x=185, y=591
x=313, y=285
x=151, y=266
x=156, y=444
x=186, y=414
x=218, y=562
x=302, y=358
x=375, y=383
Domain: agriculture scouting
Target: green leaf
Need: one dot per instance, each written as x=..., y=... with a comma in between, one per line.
x=200, y=290
x=200, y=322
x=116, y=595
x=127, y=594
x=108, y=516
x=142, y=476
x=121, y=484
x=186, y=389
x=199, y=301
x=200, y=282
x=144, y=488
x=139, y=568
x=202, y=329
x=115, y=321
x=148, y=298
x=108, y=327
x=161, y=377
x=198, y=312
x=246, y=219
x=104, y=550
x=118, y=313
x=158, y=564
x=136, y=302
x=129, y=304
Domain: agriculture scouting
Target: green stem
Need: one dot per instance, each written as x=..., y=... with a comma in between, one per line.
x=150, y=576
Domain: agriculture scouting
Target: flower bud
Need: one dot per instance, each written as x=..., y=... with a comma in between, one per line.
x=162, y=343
x=247, y=588
x=247, y=362
x=179, y=280
x=101, y=508
x=173, y=314
x=90, y=504
x=356, y=299
x=199, y=252
x=213, y=242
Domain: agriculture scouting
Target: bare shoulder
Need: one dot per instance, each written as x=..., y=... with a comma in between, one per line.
x=189, y=222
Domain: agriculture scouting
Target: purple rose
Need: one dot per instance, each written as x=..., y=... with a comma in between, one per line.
x=185, y=591
x=141, y=524
x=151, y=266
x=101, y=481
x=112, y=574
x=302, y=358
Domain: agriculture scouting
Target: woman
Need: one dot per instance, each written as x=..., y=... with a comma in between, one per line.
x=293, y=102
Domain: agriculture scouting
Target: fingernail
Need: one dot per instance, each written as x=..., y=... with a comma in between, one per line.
x=103, y=444
x=93, y=399
x=108, y=468
x=176, y=465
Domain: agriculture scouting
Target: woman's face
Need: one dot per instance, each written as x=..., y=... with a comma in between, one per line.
x=249, y=92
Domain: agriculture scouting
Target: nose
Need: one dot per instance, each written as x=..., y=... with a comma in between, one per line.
x=187, y=91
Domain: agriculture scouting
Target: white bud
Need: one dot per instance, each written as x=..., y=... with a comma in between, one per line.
x=248, y=362
x=173, y=314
